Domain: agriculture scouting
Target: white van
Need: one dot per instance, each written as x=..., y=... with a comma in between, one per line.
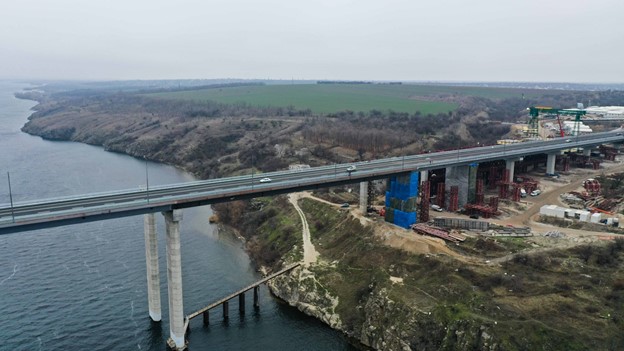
x=536, y=192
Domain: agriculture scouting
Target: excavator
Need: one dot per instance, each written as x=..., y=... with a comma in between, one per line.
x=535, y=111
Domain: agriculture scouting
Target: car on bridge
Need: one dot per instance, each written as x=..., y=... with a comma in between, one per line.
x=265, y=180
x=351, y=168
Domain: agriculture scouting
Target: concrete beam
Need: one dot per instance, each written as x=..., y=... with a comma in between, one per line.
x=151, y=261
x=363, y=197
x=550, y=163
x=174, y=278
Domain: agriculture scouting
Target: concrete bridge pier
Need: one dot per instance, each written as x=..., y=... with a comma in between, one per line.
x=587, y=151
x=550, y=163
x=457, y=176
x=363, y=197
x=510, y=165
x=424, y=176
x=241, y=303
x=174, y=280
x=151, y=261
x=256, y=301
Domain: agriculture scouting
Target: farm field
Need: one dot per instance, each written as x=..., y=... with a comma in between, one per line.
x=329, y=98
x=318, y=98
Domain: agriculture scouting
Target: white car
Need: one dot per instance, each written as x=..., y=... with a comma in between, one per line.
x=265, y=180
x=436, y=208
x=351, y=168
x=536, y=192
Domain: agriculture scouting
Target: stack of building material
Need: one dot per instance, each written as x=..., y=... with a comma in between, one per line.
x=461, y=223
x=437, y=232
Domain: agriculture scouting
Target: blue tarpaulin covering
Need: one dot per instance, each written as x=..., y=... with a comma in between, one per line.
x=404, y=187
x=401, y=199
x=404, y=219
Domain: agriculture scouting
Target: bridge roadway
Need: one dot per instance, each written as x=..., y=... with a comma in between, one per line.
x=54, y=212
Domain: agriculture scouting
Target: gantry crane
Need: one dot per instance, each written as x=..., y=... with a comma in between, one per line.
x=535, y=111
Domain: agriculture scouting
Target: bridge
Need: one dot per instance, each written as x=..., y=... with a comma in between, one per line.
x=170, y=200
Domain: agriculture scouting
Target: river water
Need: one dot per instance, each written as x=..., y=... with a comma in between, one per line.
x=83, y=287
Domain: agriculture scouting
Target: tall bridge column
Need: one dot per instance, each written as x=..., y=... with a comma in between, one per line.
x=458, y=176
x=174, y=279
x=550, y=163
x=424, y=176
x=587, y=151
x=151, y=261
x=510, y=165
x=363, y=197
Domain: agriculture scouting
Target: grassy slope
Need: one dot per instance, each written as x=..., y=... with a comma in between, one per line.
x=560, y=300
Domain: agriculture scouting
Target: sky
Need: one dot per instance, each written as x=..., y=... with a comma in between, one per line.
x=408, y=40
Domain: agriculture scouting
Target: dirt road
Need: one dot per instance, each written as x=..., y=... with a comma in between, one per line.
x=310, y=254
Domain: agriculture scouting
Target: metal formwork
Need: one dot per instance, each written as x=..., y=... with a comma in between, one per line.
x=425, y=188
x=440, y=195
x=454, y=199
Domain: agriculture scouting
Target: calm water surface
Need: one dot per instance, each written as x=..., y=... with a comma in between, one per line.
x=83, y=287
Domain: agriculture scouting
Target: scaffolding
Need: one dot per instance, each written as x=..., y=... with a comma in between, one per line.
x=454, y=199
x=503, y=185
x=425, y=191
x=484, y=210
x=440, y=195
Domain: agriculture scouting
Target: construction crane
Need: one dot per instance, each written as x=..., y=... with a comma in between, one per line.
x=535, y=111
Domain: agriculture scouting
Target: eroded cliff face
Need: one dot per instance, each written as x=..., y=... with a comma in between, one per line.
x=387, y=325
x=301, y=289
x=390, y=325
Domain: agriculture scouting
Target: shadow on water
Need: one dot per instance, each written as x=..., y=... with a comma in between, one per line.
x=155, y=336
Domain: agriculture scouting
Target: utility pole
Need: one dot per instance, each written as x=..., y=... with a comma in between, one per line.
x=146, y=181
x=11, y=197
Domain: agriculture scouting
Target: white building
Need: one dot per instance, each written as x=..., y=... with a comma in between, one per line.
x=570, y=128
x=605, y=111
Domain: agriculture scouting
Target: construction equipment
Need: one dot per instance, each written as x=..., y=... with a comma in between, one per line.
x=535, y=111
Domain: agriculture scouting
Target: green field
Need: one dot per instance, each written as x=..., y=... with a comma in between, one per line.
x=328, y=98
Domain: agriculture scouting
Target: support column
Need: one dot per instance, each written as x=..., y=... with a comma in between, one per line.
x=174, y=278
x=424, y=176
x=510, y=165
x=256, y=302
x=550, y=163
x=457, y=176
x=226, y=310
x=151, y=261
x=587, y=151
x=363, y=197
x=241, y=303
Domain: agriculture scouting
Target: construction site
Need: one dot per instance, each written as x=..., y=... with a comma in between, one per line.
x=551, y=196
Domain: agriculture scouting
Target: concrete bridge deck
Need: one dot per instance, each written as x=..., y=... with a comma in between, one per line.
x=94, y=207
